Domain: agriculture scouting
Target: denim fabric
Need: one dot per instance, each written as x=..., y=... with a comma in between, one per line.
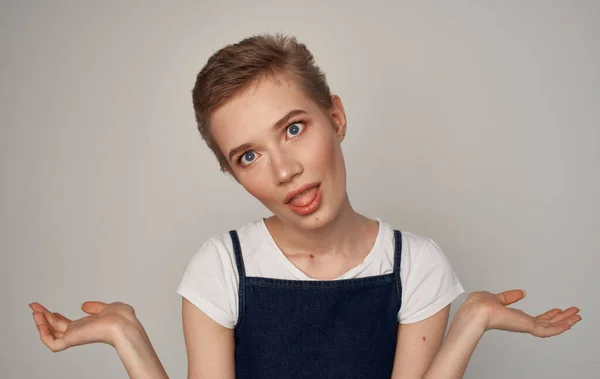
x=317, y=329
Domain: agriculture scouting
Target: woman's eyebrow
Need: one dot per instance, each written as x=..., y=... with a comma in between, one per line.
x=280, y=123
x=239, y=149
x=285, y=118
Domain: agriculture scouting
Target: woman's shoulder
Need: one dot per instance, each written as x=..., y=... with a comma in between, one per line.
x=429, y=282
x=215, y=258
x=411, y=240
x=417, y=250
x=250, y=236
x=210, y=279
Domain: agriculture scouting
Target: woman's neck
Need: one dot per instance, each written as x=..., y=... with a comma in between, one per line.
x=349, y=234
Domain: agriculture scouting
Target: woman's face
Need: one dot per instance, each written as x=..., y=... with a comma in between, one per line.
x=285, y=150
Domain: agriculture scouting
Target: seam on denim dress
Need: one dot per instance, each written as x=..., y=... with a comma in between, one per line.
x=356, y=282
x=239, y=261
x=397, y=263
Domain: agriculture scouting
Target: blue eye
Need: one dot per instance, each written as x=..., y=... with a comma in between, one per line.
x=295, y=129
x=247, y=158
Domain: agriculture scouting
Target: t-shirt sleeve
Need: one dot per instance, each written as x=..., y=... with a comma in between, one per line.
x=430, y=284
x=210, y=282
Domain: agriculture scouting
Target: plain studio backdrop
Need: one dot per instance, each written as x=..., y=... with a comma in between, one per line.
x=473, y=123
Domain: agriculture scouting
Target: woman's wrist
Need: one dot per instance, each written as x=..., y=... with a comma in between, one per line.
x=126, y=332
x=468, y=326
x=136, y=351
x=472, y=315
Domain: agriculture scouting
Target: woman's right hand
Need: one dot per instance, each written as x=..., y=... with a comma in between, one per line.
x=106, y=323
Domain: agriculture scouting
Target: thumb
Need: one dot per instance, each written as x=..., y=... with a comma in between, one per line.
x=93, y=307
x=511, y=296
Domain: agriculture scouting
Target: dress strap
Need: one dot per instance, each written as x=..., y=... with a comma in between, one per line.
x=239, y=261
x=397, y=264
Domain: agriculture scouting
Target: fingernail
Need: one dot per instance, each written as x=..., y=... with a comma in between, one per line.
x=524, y=293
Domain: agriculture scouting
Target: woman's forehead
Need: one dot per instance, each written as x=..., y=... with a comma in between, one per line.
x=258, y=108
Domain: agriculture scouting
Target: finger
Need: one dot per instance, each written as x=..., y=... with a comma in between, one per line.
x=510, y=297
x=549, y=314
x=551, y=330
x=60, y=316
x=37, y=307
x=573, y=320
x=564, y=315
x=49, y=340
x=40, y=319
x=93, y=307
x=46, y=333
x=56, y=323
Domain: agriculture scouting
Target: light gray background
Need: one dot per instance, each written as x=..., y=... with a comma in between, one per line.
x=475, y=123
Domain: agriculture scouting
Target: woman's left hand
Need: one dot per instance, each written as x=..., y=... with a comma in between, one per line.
x=491, y=309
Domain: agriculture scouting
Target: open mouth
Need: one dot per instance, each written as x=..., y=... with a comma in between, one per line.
x=307, y=201
x=305, y=197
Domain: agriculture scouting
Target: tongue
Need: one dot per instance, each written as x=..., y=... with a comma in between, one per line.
x=305, y=198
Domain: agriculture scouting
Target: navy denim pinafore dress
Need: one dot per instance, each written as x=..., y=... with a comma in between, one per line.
x=317, y=329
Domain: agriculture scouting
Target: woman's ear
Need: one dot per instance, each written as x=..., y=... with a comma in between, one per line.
x=338, y=116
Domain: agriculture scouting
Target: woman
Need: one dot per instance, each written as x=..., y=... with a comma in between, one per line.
x=317, y=290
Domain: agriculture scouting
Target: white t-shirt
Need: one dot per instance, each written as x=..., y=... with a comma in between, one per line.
x=210, y=281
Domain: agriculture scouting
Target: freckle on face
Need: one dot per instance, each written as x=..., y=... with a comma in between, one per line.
x=424, y=339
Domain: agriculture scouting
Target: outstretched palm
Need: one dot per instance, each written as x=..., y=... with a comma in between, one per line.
x=501, y=317
x=59, y=333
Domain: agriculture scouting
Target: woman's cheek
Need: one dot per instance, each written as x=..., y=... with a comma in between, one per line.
x=319, y=152
x=327, y=157
x=257, y=188
x=253, y=189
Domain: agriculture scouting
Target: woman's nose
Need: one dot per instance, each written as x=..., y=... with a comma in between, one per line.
x=285, y=167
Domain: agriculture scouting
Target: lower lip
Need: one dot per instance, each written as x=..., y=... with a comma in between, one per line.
x=310, y=208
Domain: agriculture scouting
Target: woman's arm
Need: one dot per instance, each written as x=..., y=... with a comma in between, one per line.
x=483, y=311
x=114, y=324
x=137, y=354
x=458, y=346
x=210, y=346
x=417, y=345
